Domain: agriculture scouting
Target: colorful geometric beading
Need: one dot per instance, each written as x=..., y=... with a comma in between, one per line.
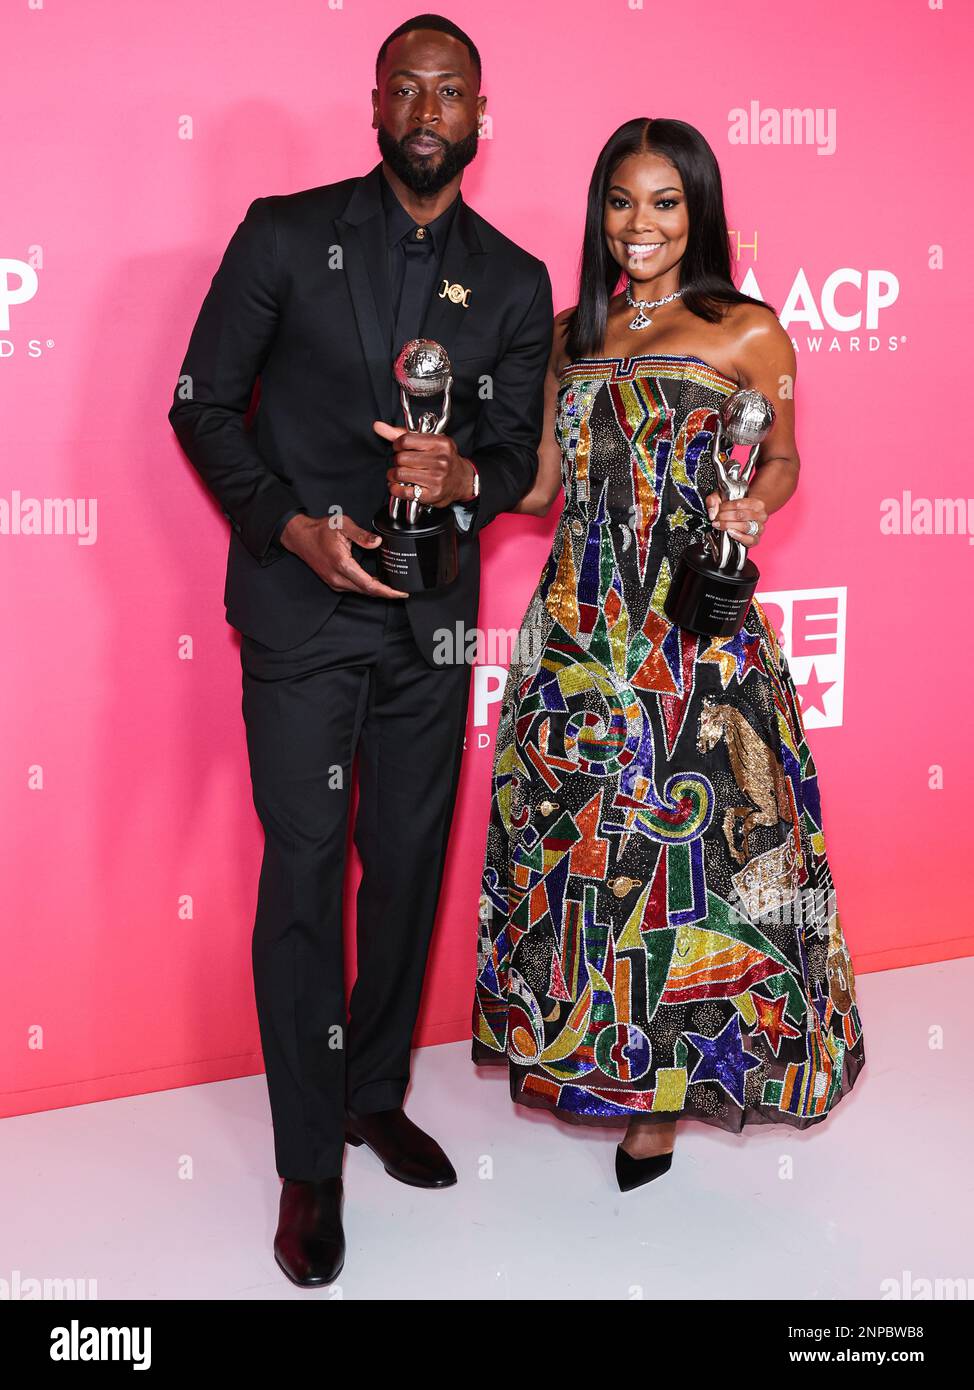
x=658, y=929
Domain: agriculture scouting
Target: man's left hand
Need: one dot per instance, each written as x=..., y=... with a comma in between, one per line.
x=430, y=460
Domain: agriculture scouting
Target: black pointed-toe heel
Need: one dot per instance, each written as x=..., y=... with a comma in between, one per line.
x=633, y=1172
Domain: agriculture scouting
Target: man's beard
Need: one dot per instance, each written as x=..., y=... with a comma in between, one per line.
x=418, y=172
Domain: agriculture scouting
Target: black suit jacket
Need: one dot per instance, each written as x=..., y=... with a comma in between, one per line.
x=301, y=301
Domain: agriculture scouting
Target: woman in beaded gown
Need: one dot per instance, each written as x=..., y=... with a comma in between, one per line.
x=658, y=929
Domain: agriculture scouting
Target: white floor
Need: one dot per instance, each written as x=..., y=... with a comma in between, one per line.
x=881, y=1191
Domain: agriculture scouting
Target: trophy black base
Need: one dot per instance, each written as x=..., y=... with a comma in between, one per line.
x=706, y=599
x=419, y=556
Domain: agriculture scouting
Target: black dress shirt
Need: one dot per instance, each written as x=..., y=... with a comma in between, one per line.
x=415, y=254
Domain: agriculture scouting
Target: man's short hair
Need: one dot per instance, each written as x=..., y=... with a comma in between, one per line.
x=430, y=21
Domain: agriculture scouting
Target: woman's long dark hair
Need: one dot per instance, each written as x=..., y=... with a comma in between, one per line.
x=705, y=270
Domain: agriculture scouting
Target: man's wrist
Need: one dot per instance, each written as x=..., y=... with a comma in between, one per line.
x=473, y=488
x=291, y=528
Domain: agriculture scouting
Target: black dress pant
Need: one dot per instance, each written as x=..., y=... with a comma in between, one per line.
x=360, y=684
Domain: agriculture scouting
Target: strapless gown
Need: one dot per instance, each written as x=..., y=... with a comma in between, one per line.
x=658, y=933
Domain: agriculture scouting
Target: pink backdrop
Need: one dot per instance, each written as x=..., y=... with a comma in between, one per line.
x=135, y=135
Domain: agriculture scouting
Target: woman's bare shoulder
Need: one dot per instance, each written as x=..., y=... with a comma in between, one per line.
x=753, y=322
x=758, y=338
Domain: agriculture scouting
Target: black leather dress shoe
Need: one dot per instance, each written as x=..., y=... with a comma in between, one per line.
x=310, y=1244
x=407, y=1153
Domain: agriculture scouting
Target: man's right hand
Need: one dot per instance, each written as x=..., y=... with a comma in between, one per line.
x=325, y=544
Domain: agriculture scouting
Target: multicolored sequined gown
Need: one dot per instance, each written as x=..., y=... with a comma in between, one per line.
x=658, y=930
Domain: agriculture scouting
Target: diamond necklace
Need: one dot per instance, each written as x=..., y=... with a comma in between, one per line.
x=643, y=320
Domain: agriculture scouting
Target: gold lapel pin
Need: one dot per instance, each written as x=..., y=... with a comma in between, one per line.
x=455, y=293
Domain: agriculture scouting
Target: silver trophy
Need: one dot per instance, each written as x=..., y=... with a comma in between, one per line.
x=715, y=580
x=419, y=542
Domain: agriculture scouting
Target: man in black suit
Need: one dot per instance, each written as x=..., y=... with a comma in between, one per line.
x=316, y=293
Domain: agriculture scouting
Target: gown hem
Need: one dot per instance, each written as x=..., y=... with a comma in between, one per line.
x=751, y=1115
